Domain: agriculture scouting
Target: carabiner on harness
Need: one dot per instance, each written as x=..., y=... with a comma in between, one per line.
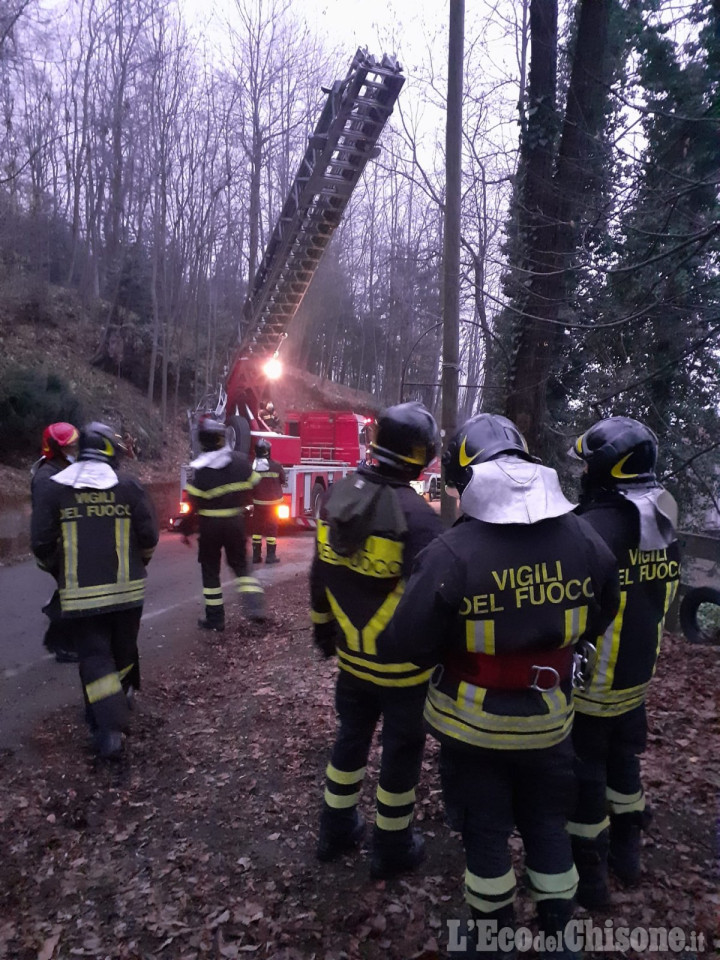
x=537, y=673
x=584, y=660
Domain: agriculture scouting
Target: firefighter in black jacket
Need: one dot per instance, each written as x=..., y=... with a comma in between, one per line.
x=220, y=493
x=95, y=531
x=628, y=508
x=59, y=450
x=267, y=496
x=500, y=602
x=371, y=528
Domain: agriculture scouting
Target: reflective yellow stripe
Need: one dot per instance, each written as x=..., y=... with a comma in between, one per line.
x=220, y=491
x=104, y=687
x=104, y=595
x=625, y=802
x=611, y=703
x=229, y=512
x=480, y=636
x=101, y=589
x=266, y=503
x=214, y=601
x=316, y=617
x=392, y=823
x=379, y=557
x=487, y=906
x=553, y=886
x=491, y=886
x=587, y=830
x=484, y=729
x=341, y=801
x=248, y=585
x=380, y=620
x=122, y=549
x=345, y=777
x=670, y=591
x=212, y=591
x=387, y=681
x=352, y=637
x=395, y=799
x=126, y=670
x=384, y=667
x=69, y=533
x=607, y=648
x=575, y=624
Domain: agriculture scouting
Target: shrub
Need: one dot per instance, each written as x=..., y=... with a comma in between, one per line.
x=30, y=399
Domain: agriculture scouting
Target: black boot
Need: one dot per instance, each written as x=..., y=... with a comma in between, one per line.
x=554, y=915
x=394, y=853
x=484, y=937
x=625, y=844
x=271, y=555
x=339, y=836
x=591, y=860
x=257, y=551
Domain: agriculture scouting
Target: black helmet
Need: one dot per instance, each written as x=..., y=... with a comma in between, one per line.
x=481, y=438
x=211, y=434
x=618, y=450
x=262, y=449
x=100, y=442
x=406, y=438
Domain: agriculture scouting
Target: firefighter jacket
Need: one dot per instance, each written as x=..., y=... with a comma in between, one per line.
x=499, y=608
x=43, y=471
x=222, y=483
x=370, y=530
x=269, y=490
x=628, y=649
x=94, y=531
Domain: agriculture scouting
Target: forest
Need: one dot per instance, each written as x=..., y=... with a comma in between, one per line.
x=146, y=154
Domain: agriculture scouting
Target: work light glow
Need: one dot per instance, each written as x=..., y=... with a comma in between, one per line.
x=273, y=368
x=283, y=512
x=184, y=507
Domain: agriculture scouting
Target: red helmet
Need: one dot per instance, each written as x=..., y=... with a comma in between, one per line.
x=56, y=437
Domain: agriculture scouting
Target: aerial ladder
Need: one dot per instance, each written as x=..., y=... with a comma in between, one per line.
x=345, y=138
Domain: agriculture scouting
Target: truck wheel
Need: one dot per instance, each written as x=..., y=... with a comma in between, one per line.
x=315, y=498
x=700, y=615
x=239, y=430
x=434, y=492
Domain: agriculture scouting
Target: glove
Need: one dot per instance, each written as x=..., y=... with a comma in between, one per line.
x=326, y=637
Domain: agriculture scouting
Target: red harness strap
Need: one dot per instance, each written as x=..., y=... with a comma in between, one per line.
x=542, y=670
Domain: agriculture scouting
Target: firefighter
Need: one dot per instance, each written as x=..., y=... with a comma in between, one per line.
x=500, y=602
x=371, y=527
x=271, y=419
x=622, y=500
x=95, y=531
x=267, y=495
x=220, y=492
x=59, y=450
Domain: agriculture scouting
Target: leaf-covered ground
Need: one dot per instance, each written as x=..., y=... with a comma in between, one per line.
x=201, y=843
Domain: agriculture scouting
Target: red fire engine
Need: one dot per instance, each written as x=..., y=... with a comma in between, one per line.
x=319, y=447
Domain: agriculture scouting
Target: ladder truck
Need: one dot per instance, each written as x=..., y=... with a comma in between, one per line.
x=320, y=447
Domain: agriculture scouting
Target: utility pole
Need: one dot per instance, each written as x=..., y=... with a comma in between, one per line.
x=451, y=239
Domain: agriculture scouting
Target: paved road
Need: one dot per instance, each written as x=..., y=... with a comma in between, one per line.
x=33, y=685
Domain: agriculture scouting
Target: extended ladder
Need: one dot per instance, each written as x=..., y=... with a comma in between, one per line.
x=344, y=140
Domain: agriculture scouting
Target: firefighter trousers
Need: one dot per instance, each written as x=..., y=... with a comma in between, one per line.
x=360, y=705
x=607, y=767
x=487, y=793
x=215, y=535
x=59, y=636
x=109, y=665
